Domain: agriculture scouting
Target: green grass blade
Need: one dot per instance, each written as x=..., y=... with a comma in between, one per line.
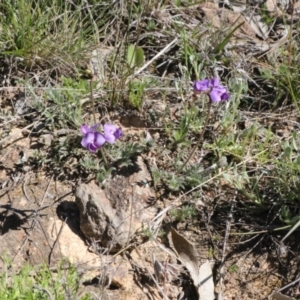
x=222, y=45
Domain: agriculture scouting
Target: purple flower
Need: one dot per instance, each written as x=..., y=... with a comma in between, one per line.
x=86, y=129
x=202, y=85
x=92, y=139
x=217, y=92
x=215, y=82
x=111, y=133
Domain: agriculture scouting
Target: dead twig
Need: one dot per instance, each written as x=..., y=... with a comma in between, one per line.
x=228, y=226
x=152, y=277
x=160, y=53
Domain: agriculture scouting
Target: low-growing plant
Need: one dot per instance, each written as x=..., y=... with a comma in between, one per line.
x=247, y=185
x=189, y=122
x=266, y=15
x=233, y=269
x=128, y=152
x=174, y=182
x=41, y=283
x=183, y=214
x=62, y=100
x=215, y=93
x=148, y=233
x=136, y=92
x=287, y=170
x=283, y=79
x=211, y=252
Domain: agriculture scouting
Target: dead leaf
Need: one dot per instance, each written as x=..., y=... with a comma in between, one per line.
x=187, y=254
x=259, y=27
x=279, y=296
x=206, y=284
x=164, y=270
x=238, y=6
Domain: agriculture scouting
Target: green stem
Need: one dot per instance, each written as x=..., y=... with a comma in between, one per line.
x=104, y=158
x=200, y=137
x=95, y=121
x=93, y=102
x=262, y=231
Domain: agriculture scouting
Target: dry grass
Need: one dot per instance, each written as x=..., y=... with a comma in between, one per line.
x=50, y=51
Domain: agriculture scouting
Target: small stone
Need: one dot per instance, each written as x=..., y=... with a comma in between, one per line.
x=46, y=139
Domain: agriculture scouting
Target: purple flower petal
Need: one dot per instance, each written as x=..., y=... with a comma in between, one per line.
x=225, y=96
x=111, y=133
x=215, y=95
x=99, y=139
x=222, y=88
x=93, y=139
x=215, y=82
x=218, y=94
x=92, y=147
x=201, y=86
x=88, y=139
x=84, y=129
x=212, y=86
x=224, y=93
x=109, y=128
x=110, y=138
x=118, y=133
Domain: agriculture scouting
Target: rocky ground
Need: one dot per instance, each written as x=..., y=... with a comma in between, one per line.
x=117, y=232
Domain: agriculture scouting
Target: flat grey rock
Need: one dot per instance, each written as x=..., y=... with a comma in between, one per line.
x=113, y=215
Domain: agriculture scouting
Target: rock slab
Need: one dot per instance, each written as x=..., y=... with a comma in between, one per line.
x=112, y=215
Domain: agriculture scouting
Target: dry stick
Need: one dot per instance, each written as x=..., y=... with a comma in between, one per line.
x=228, y=225
x=291, y=33
x=41, y=207
x=159, y=218
x=155, y=57
x=43, y=289
x=165, y=274
x=56, y=240
x=34, y=221
x=138, y=33
x=131, y=216
x=218, y=175
x=288, y=285
x=245, y=241
x=200, y=138
x=263, y=231
x=57, y=235
x=152, y=277
x=291, y=231
x=252, y=248
x=21, y=248
x=118, y=47
x=10, y=136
